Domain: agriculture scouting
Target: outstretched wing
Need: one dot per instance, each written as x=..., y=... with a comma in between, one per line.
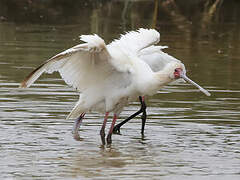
x=134, y=41
x=85, y=64
x=79, y=66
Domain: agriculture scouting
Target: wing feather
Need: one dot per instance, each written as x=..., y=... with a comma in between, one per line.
x=76, y=65
x=135, y=41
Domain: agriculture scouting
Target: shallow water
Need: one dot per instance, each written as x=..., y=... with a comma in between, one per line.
x=187, y=135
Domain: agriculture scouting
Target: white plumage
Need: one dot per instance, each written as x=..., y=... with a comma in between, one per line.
x=109, y=76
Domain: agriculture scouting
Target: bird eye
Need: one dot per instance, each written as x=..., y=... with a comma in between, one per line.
x=177, y=72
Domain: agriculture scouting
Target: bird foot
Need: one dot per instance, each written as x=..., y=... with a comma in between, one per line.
x=116, y=130
x=77, y=137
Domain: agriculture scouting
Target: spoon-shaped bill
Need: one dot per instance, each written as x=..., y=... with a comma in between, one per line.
x=195, y=84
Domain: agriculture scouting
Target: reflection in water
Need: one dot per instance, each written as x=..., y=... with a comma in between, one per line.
x=187, y=135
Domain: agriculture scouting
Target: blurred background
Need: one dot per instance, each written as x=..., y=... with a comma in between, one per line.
x=187, y=136
x=187, y=27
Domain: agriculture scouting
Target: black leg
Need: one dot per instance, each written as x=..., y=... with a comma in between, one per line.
x=116, y=129
x=144, y=116
x=102, y=134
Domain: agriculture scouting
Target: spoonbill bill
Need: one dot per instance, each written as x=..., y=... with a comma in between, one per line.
x=108, y=77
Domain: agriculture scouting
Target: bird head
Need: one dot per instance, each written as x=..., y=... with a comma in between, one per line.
x=177, y=70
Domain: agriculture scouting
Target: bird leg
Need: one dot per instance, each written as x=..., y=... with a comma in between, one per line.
x=109, y=137
x=116, y=129
x=76, y=127
x=144, y=114
x=102, y=131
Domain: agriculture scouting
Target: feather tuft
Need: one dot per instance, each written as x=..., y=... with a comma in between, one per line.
x=95, y=43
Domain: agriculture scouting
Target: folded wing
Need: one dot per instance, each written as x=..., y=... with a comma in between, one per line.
x=155, y=57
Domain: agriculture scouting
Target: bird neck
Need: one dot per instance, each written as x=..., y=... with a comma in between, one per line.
x=153, y=84
x=162, y=78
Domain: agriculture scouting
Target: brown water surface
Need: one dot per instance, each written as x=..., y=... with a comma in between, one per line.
x=187, y=135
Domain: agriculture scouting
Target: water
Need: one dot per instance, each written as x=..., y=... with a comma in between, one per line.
x=187, y=136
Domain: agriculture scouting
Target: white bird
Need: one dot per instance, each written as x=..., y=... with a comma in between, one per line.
x=109, y=76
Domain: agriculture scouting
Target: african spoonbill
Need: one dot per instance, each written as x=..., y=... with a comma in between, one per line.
x=109, y=76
